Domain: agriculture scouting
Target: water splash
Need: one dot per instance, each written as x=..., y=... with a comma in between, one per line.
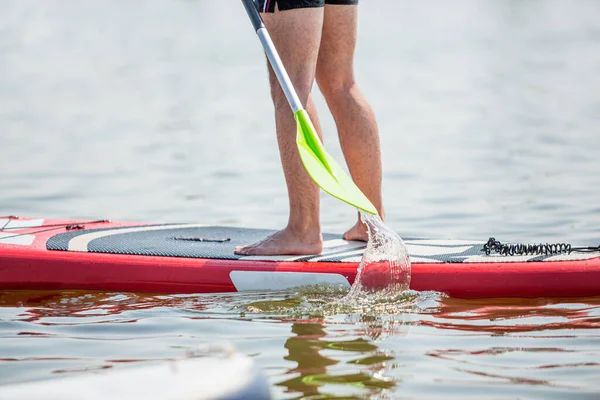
x=374, y=316
x=384, y=270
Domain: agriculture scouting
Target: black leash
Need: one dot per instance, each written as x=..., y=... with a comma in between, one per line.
x=545, y=249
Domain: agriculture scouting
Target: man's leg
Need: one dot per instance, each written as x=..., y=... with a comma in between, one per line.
x=354, y=118
x=296, y=34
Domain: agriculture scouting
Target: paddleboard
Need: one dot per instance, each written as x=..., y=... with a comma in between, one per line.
x=228, y=377
x=55, y=254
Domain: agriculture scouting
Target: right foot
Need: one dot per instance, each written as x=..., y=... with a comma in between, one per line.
x=285, y=242
x=357, y=232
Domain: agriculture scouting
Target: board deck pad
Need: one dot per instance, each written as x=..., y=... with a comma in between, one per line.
x=219, y=242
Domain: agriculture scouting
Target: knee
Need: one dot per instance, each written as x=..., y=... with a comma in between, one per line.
x=333, y=86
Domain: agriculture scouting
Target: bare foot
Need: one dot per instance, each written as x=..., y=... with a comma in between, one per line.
x=285, y=242
x=357, y=232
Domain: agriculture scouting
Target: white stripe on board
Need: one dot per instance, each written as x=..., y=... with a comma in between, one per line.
x=267, y=280
x=341, y=242
x=271, y=258
x=16, y=238
x=413, y=260
x=445, y=242
x=496, y=258
x=573, y=256
x=12, y=236
x=412, y=251
x=12, y=224
x=81, y=242
x=434, y=250
x=338, y=255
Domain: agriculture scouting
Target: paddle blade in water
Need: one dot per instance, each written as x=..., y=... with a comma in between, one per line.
x=324, y=170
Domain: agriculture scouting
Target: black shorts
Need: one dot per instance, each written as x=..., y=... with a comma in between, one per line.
x=269, y=5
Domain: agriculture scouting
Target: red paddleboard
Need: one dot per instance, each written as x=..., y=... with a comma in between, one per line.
x=51, y=254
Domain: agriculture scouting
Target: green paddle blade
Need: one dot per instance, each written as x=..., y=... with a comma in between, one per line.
x=323, y=169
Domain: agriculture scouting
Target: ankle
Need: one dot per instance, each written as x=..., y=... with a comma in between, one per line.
x=309, y=231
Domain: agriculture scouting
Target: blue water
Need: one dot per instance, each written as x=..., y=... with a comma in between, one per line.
x=160, y=111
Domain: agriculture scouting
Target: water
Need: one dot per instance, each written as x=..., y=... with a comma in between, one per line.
x=159, y=111
x=420, y=346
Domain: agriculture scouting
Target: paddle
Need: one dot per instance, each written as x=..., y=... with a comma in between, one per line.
x=321, y=167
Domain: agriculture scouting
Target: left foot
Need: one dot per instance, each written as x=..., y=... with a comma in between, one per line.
x=285, y=242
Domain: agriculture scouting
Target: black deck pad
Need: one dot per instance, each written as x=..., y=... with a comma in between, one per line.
x=219, y=242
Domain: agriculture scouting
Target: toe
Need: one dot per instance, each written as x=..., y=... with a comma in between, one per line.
x=241, y=250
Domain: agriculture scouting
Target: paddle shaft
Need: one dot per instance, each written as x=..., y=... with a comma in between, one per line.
x=273, y=56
